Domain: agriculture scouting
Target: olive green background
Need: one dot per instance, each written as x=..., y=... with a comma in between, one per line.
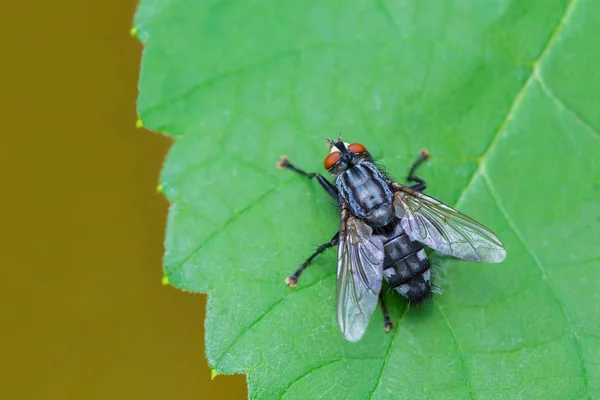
x=83, y=312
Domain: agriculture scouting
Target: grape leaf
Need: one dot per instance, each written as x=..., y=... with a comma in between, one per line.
x=504, y=95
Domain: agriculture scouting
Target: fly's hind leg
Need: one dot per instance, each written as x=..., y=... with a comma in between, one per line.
x=421, y=185
x=292, y=280
x=284, y=163
x=387, y=324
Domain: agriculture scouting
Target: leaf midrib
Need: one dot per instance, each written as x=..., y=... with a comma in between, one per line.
x=480, y=170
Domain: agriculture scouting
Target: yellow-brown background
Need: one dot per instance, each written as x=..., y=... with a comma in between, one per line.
x=83, y=313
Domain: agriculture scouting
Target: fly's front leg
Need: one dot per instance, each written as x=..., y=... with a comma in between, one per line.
x=292, y=280
x=421, y=185
x=388, y=325
x=284, y=163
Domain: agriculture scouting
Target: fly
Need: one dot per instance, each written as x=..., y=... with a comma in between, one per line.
x=384, y=229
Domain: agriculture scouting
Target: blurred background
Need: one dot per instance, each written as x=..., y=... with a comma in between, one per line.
x=83, y=311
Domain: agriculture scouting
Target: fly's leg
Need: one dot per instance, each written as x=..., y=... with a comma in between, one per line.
x=292, y=280
x=388, y=325
x=284, y=163
x=421, y=185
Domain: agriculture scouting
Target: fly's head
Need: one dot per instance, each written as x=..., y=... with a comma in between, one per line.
x=343, y=156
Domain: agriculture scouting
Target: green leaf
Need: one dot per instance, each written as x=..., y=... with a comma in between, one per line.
x=504, y=94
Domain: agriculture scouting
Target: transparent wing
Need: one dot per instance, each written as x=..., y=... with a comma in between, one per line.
x=445, y=229
x=360, y=270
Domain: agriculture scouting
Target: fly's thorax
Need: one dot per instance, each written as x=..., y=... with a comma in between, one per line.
x=365, y=191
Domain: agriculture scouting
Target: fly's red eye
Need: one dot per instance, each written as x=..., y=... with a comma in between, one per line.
x=331, y=159
x=357, y=148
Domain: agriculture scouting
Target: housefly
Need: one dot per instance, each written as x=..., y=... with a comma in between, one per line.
x=384, y=229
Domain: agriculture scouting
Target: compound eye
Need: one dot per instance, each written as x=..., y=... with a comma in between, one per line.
x=357, y=148
x=331, y=159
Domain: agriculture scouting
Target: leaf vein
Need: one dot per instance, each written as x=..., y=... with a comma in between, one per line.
x=323, y=366
x=253, y=64
x=525, y=347
x=231, y=220
x=382, y=6
x=389, y=351
x=542, y=269
x=459, y=348
x=309, y=372
x=518, y=98
x=563, y=106
x=265, y=313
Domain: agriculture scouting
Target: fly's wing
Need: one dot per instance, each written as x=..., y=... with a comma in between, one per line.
x=359, y=275
x=445, y=229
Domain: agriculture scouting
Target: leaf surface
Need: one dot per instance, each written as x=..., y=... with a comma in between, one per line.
x=504, y=95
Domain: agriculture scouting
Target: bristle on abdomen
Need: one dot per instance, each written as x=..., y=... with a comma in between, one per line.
x=408, y=269
x=417, y=290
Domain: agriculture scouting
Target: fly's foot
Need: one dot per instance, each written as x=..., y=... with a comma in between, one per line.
x=291, y=281
x=283, y=162
x=424, y=154
x=388, y=326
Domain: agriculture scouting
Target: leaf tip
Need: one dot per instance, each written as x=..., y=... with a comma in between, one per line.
x=213, y=373
x=139, y=123
x=133, y=32
x=159, y=188
x=165, y=280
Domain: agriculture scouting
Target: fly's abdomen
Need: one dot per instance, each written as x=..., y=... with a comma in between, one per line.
x=407, y=267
